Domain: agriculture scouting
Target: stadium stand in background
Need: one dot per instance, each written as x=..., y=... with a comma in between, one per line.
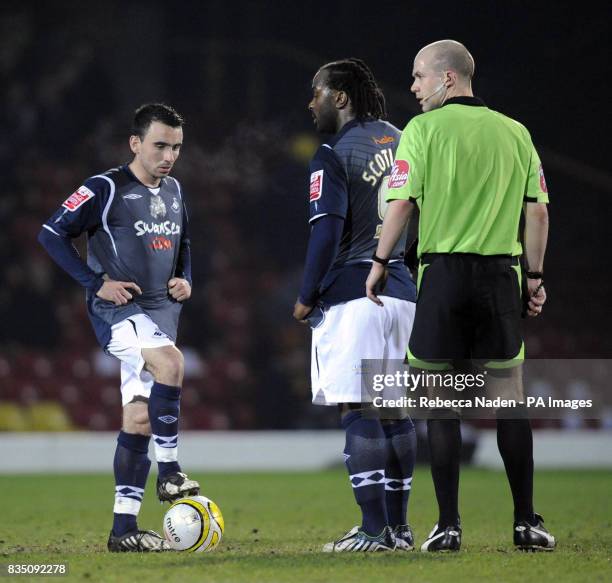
x=246, y=360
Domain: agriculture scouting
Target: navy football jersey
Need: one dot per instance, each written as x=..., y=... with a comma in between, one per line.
x=349, y=178
x=134, y=233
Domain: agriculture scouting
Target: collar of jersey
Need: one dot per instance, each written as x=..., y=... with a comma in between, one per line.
x=345, y=128
x=465, y=100
x=128, y=171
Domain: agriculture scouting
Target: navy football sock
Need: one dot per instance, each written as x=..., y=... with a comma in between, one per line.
x=164, y=412
x=365, y=456
x=401, y=456
x=131, y=466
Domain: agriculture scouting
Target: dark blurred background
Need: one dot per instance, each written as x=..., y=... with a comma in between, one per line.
x=240, y=72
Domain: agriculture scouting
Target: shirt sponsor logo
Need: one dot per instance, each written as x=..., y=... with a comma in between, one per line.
x=160, y=243
x=399, y=174
x=166, y=228
x=132, y=196
x=316, y=185
x=76, y=199
x=176, y=207
x=157, y=207
x=384, y=140
x=543, y=180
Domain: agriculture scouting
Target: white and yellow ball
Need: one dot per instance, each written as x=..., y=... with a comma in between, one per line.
x=194, y=524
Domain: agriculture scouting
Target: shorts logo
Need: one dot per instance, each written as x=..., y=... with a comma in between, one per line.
x=168, y=419
x=542, y=180
x=399, y=174
x=76, y=199
x=158, y=334
x=316, y=185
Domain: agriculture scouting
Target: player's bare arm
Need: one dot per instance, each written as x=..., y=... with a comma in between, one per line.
x=118, y=291
x=179, y=289
x=536, y=237
x=396, y=218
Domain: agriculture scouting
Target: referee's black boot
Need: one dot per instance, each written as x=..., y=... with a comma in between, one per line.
x=442, y=539
x=533, y=537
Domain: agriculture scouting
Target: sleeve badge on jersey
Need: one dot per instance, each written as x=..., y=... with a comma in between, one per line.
x=316, y=185
x=399, y=174
x=543, y=180
x=76, y=199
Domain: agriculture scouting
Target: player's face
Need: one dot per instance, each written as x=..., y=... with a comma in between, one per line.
x=322, y=106
x=156, y=153
x=428, y=86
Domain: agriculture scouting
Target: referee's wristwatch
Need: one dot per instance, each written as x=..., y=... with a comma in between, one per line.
x=377, y=259
x=534, y=275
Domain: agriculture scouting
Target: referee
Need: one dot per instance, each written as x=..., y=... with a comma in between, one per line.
x=471, y=171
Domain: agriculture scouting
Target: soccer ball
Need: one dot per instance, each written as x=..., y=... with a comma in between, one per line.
x=193, y=524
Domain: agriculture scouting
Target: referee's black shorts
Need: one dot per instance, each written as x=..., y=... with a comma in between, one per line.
x=468, y=308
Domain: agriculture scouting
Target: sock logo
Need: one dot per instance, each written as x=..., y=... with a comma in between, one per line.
x=168, y=419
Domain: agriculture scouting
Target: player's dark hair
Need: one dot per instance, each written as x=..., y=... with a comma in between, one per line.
x=146, y=114
x=355, y=78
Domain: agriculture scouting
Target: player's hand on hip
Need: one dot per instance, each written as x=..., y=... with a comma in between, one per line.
x=179, y=289
x=376, y=280
x=301, y=311
x=118, y=291
x=537, y=297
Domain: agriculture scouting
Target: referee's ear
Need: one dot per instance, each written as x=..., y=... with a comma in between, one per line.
x=449, y=78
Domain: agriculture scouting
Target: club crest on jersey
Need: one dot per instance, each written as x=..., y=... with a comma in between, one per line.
x=76, y=199
x=399, y=174
x=316, y=185
x=157, y=207
x=543, y=180
x=176, y=207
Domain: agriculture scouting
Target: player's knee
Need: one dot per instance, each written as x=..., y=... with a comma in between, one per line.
x=136, y=418
x=175, y=366
x=168, y=366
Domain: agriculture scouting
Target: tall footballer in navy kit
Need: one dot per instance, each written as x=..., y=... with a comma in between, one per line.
x=137, y=274
x=348, y=181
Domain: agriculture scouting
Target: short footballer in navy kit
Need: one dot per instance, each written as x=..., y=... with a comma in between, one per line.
x=134, y=233
x=349, y=176
x=137, y=273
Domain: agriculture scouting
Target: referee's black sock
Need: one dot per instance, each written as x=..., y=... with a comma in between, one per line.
x=515, y=443
x=444, y=437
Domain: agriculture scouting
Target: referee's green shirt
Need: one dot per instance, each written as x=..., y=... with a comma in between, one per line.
x=469, y=169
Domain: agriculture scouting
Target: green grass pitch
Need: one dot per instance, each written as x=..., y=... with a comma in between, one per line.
x=277, y=522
